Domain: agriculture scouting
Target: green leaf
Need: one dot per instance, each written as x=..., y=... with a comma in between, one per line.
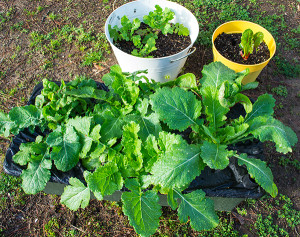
x=260, y=172
x=126, y=89
x=25, y=116
x=105, y=180
x=247, y=43
x=213, y=108
x=168, y=140
x=148, y=125
x=258, y=38
x=215, y=74
x=88, y=92
x=176, y=107
x=23, y=156
x=142, y=208
x=75, y=195
x=178, y=167
x=270, y=129
x=6, y=125
x=36, y=176
x=245, y=101
x=263, y=106
x=65, y=148
x=198, y=209
x=187, y=80
x=216, y=156
x=230, y=133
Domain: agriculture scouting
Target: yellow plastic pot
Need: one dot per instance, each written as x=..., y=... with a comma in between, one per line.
x=239, y=27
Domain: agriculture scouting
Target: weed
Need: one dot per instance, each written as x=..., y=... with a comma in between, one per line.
x=53, y=16
x=285, y=161
x=92, y=57
x=17, y=26
x=280, y=90
x=52, y=227
x=286, y=68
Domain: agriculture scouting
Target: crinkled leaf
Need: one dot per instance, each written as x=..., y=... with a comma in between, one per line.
x=36, y=176
x=215, y=74
x=176, y=107
x=178, y=167
x=230, y=133
x=65, y=148
x=132, y=146
x=142, y=208
x=216, y=156
x=270, y=129
x=105, y=180
x=198, y=209
x=150, y=152
x=23, y=156
x=75, y=195
x=87, y=92
x=260, y=172
x=168, y=140
x=262, y=106
x=214, y=110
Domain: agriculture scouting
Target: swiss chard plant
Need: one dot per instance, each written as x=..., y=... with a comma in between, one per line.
x=128, y=136
x=249, y=42
x=144, y=38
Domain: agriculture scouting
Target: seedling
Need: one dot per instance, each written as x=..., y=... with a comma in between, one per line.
x=249, y=42
x=144, y=39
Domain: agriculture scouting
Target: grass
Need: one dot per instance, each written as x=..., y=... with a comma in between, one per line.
x=54, y=39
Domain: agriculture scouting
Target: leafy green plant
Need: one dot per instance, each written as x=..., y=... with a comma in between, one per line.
x=249, y=42
x=144, y=39
x=128, y=136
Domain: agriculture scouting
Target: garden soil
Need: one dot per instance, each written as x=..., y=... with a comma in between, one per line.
x=22, y=68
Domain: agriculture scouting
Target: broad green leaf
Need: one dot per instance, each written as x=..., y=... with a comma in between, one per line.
x=270, y=129
x=105, y=180
x=6, y=125
x=25, y=116
x=36, y=176
x=168, y=140
x=229, y=134
x=88, y=92
x=260, y=172
x=215, y=74
x=176, y=107
x=150, y=152
x=258, y=38
x=75, y=195
x=187, y=80
x=65, y=148
x=23, y=156
x=216, y=156
x=198, y=209
x=262, y=106
x=178, y=167
x=214, y=110
x=142, y=208
x=245, y=101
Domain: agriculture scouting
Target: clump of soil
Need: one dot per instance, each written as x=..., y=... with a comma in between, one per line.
x=166, y=45
x=228, y=47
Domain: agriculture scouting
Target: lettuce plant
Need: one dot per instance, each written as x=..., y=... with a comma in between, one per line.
x=128, y=136
x=144, y=39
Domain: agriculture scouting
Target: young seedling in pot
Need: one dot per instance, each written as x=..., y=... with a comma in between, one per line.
x=249, y=41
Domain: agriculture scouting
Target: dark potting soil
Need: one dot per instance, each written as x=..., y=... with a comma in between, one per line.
x=228, y=47
x=166, y=45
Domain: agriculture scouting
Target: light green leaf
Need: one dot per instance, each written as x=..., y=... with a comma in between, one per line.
x=87, y=92
x=215, y=74
x=230, y=133
x=23, y=156
x=75, y=195
x=214, y=110
x=178, y=167
x=36, y=176
x=245, y=101
x=6, y=125
x=168, y=140
x=142, y=208
x=216, y=156
x=270, y=129
x=112, y=127
x=187, y=80
x=262, y=106
x=105, y=179
x=176, y=107
x=260, y=172
x=198, y=209
x=65, y=148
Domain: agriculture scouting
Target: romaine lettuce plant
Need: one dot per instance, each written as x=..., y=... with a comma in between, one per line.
x=128, y=136
x=144, y=39
x=249, y=42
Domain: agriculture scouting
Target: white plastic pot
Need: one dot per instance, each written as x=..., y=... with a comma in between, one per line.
x=159, y=69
